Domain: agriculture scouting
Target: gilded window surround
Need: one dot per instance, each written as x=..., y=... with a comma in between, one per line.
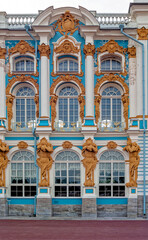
x=125, y=97
x=21, y=48
x=10, y=97
x=111, y=47
x=66, y=45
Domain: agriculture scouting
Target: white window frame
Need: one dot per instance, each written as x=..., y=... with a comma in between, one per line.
x=68, y=59
x=23, y=169
x=25, y=64
x=67, y=184
x=112, y=184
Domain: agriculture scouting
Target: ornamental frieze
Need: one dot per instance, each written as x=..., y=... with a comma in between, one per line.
x=66, y=24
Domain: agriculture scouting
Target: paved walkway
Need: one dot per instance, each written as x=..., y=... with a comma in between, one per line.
x=73, y=229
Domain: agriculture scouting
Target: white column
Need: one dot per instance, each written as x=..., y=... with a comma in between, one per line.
x=2, y=84
x=44, y=53
x=139, y=80
x=89, y=51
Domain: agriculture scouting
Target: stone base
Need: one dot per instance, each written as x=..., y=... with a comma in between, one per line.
x=132, y=208
x=89, y=207
x=3, y=207
x=112, y=210
x=67, y=210
x=21, y=210
x=44, y=207
x=140, y=206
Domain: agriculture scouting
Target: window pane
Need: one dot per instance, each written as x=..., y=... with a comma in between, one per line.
x=16, y=191
x=60, y=191
x=116, y=65
x=105, y=65
x=74, y=191
x=105, y=191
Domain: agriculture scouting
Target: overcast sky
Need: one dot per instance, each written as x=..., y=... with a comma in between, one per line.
x=32, y=6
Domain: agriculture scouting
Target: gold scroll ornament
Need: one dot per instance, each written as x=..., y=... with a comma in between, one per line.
x=4, y=149
x=45, y=161
x=89, y=152
x=134, y=159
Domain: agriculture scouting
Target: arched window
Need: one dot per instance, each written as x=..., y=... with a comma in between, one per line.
x=111, y=63
x=67, y=175
x=23, y=174
x=25, y=107
x=111, y=174
x=68, y=65
x=68, y=113
x=24, y=64
x=111, y=107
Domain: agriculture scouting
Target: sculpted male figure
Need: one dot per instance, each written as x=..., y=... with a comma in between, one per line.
x=134, y=159
x=90, y=160
x=4, y=149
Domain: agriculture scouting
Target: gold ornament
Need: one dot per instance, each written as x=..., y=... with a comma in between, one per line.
x=22, y=145
x=111, y=47
x=134, y=159
x=142, y=33
x=67, y=24
x=4, y=149
x=66, y=47
x=82, y=104
x=36, y=100
x=44, y=50
x=22, y=47
x=2, y=53
x=125, y=101
x=111, y=145
x=9, y=104
x=45, y=161
x=89, y=152
x=89, y=50
x=132, y=52
x=67, y=145
x=97, y=107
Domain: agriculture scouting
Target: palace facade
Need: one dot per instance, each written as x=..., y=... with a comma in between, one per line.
x=74, y=113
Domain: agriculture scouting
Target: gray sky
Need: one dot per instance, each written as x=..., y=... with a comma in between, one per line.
x=32, y=6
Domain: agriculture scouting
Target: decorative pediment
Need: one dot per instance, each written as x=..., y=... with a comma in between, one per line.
x=22, y=47
x=111, y=47
x=66, y=47
x=67, y=24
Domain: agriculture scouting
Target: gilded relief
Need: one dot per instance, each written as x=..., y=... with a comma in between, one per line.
x=89, y=152
x=111, y=145
x=2, y=53
x=97, y=107
x=36, y=100
x=133, y=149
x=67, y=24
x=131, y=52
x=45, y=161
x=89, y=50
x=22, y=145
x=67, y=145
x=66, y=47
x=44, y=50
x=142, y=33
x=22, y=47
x=125, y=101
x=81, y=101
x=9, y=104
x=4, y=149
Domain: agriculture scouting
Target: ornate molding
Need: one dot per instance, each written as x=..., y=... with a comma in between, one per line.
x=97, y=107
x=82, y=104
x=131, y=52
x=134, y=159
x=66, y=24
x=111, y=47
x=2, y=53
x=9, y=104
x=4, y=149
x=142, y=33
x=89, y=152
x=21, y=78
x=111, y=145
x=22, y=145
x=66, y=47
x=44, y=50
x=67, y=78
x=67, y=145
x=111, y=78
x=125, y=101
x=22, y=47
x=36, y=100
x=53, y=102
x=45, y=161
x=89, y=50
